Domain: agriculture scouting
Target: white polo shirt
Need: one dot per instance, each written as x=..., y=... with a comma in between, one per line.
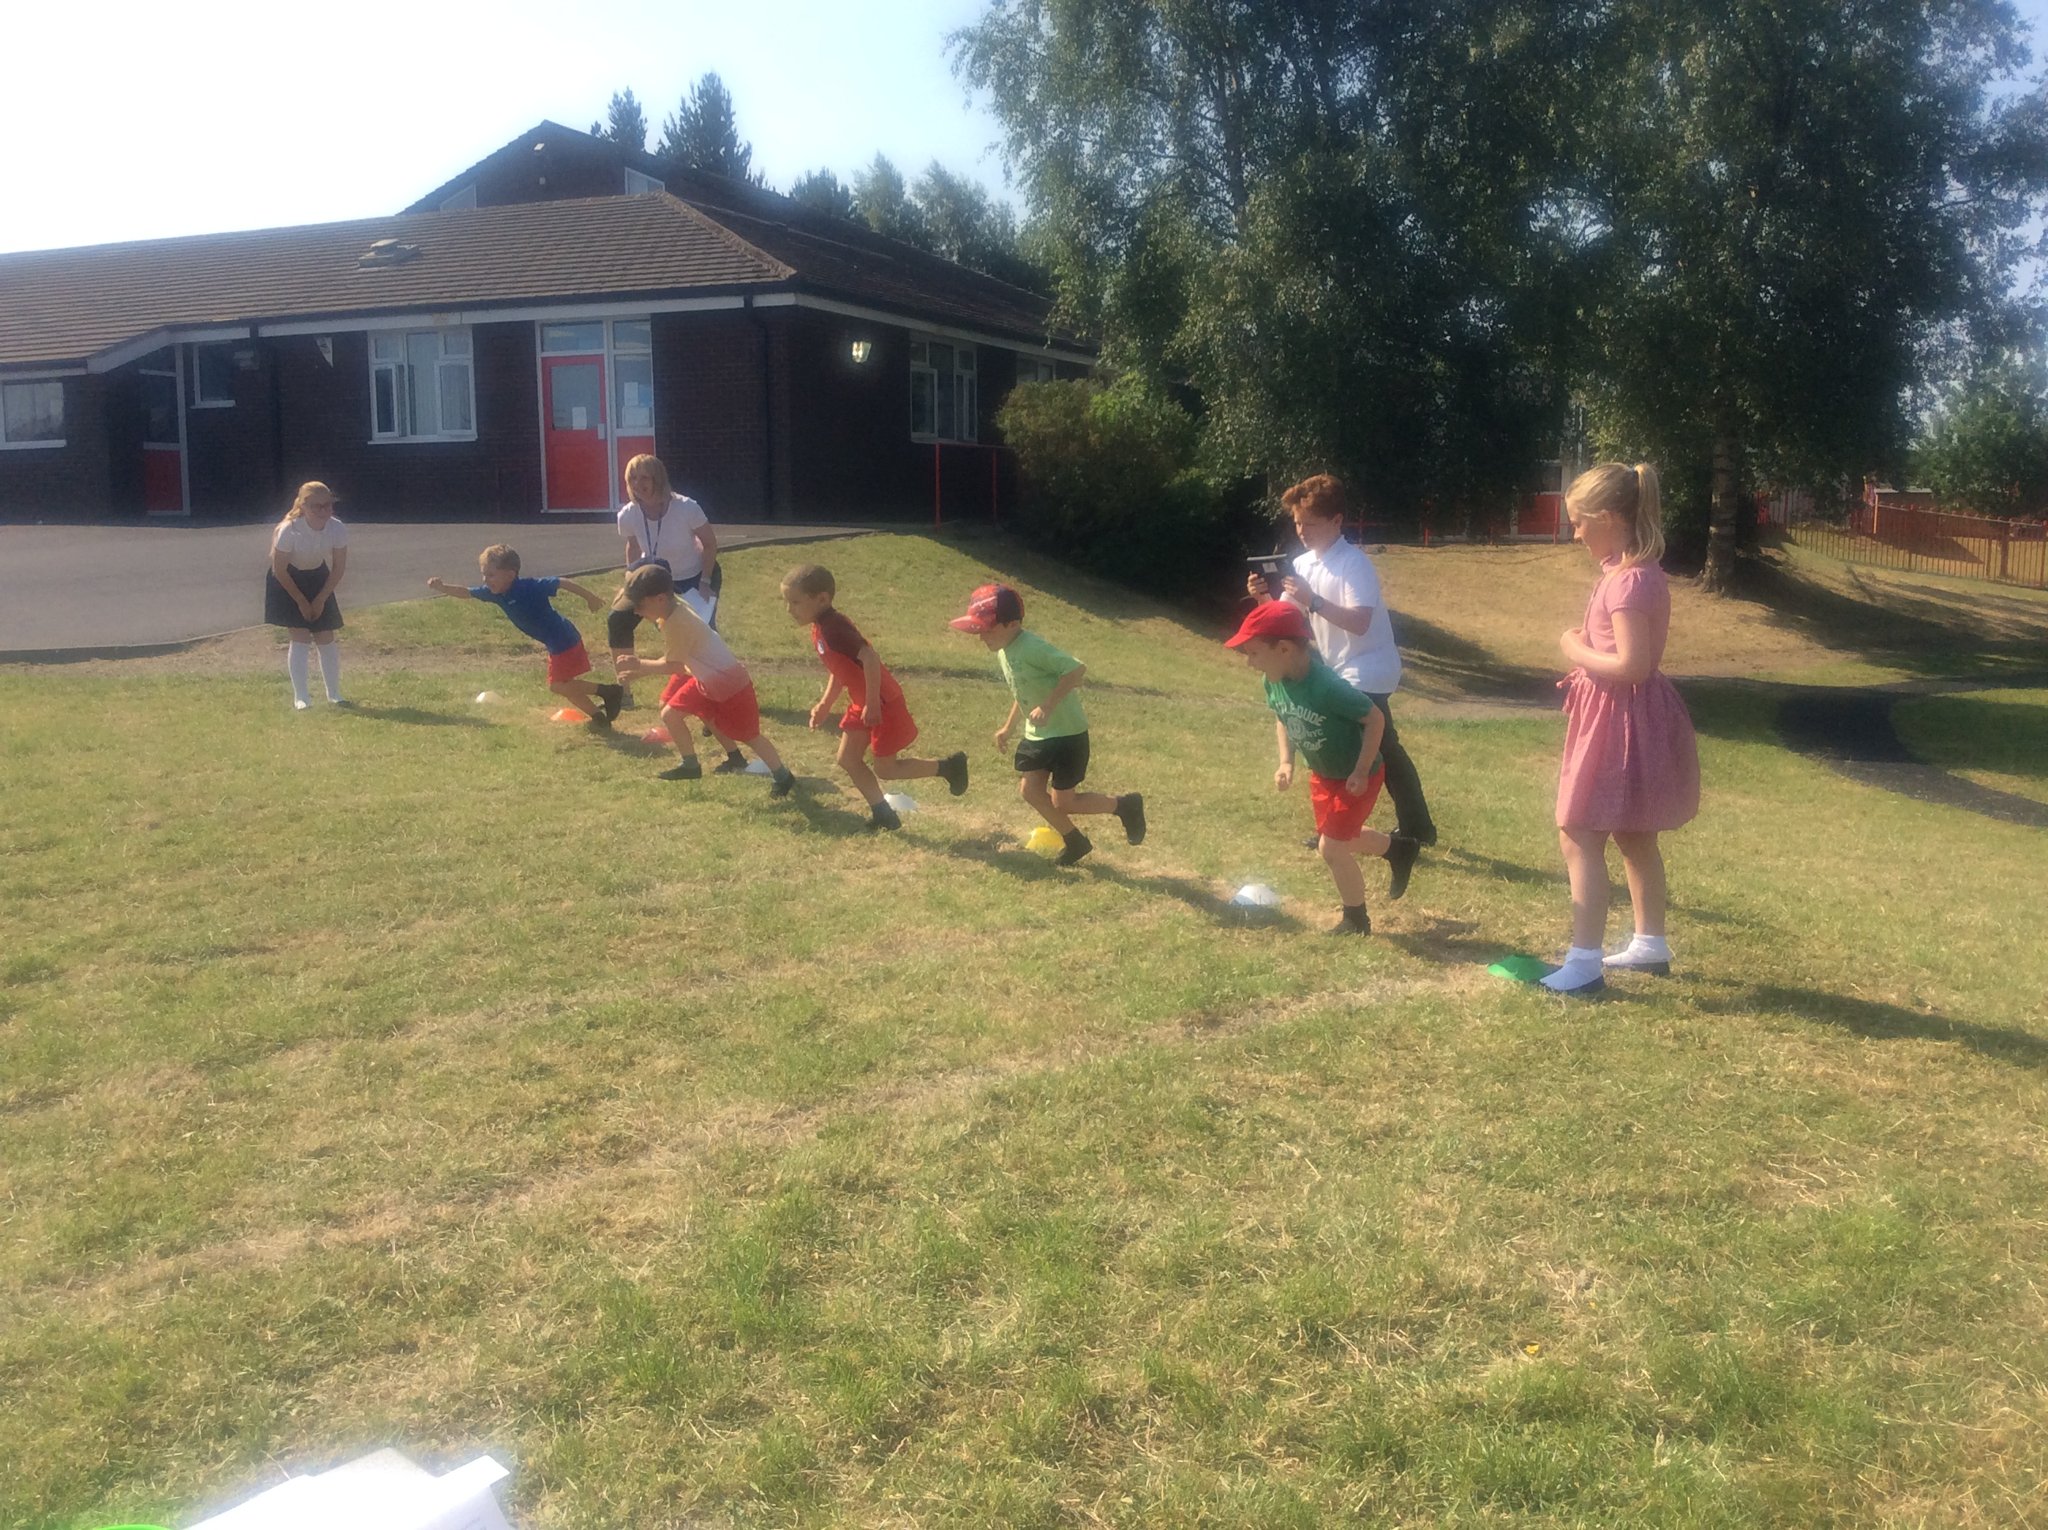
x=305, y=548
x=671, y=537
x=1344, y=576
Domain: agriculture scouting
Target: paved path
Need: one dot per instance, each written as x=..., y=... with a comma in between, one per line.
x=81, y=591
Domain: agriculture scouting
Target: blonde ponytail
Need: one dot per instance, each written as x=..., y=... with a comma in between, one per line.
x=1630, y=494
x=312, y=488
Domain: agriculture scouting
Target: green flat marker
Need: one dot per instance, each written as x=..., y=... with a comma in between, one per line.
x=1522, y=969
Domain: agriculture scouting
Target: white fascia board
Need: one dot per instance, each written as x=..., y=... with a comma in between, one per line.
x=42, y=374
x=444, y=318
x=117, y=356
x=922, y=327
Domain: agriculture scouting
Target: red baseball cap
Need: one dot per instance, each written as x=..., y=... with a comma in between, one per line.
x=989, y=606
x=1273, y=619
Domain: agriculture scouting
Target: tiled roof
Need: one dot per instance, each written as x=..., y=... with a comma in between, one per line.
x=63, y=306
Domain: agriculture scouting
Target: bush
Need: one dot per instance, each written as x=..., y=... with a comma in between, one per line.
x=1108, y=482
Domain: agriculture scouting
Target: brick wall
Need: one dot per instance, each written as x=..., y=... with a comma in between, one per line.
x=68, y=480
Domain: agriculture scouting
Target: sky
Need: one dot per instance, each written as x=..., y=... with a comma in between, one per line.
x=130, y=120
x=137, y=119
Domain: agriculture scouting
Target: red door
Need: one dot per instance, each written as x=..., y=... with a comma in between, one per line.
x=572, y=408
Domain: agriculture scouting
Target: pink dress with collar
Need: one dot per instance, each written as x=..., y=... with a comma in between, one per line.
x=1631, y=762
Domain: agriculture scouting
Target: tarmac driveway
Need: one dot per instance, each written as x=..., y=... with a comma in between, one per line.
x=80, y=591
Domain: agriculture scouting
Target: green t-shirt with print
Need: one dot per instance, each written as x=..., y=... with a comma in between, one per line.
x=1032, y=666
x=1325, y=718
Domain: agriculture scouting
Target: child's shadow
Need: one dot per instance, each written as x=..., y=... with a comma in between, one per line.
x=1030, y=866
x=821, y=815
x=1446, y=941
x=417, y=716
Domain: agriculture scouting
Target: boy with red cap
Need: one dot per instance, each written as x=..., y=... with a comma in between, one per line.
x=876, y=714
x=1337, y=730
x=1054, y=755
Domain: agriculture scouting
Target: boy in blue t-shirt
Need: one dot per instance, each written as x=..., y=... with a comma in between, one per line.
x=528, y=603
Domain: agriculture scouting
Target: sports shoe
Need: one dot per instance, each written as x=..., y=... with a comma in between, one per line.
x=785, y=783
x=612, y=698
x=883, y=816
x=734, y=764
x=1130, y=812
x=691, y=769
x=1350, y=925
x=1401, y=854
x=1078, y=845
x=953, y=771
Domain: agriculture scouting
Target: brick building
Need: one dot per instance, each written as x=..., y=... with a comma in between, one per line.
x=501, y=348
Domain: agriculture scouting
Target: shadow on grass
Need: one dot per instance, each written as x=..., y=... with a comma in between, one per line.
x=1030, y=866
x=1456, y=858
x=1924, y=634
x=1474, y=673
x=417, y=716
x=1880, y=1022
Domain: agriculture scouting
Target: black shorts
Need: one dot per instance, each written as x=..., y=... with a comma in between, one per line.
x=1066, y=757
x=280, y=610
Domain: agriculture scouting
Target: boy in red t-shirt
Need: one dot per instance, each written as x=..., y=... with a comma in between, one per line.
x=882, y=723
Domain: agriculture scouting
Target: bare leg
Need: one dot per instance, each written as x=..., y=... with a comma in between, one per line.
x=1585, y=863
x=677, y=721
x=853, y=750
x=1341, y=856
x=581, y=694
x=1034, y=786
x=760, y=745
x=1644, y=862
x=899, y=768
x=1072, y=803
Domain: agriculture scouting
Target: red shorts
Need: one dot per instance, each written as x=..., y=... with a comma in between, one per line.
x=738, y=717
x=1339, y=815
x=897, y=733
x=569, y=664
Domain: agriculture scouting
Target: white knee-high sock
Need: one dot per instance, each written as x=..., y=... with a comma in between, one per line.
x=295, y=663
x=330, y=668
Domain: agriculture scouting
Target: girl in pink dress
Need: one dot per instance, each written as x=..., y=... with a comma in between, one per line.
x=1631, y=764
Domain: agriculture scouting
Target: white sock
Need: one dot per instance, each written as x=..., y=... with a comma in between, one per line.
x=330, y=668
x=295, y=665
x=1643, y=948
x=1581, y=966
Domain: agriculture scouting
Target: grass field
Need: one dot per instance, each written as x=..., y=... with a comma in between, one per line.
x=428, y=1074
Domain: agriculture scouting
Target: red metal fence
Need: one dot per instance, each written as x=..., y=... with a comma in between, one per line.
x=1934, y=542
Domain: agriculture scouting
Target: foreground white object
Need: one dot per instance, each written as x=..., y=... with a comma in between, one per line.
x=899, y=802
x=1256, y=895
x=758, y=768
x=385, y=1491
x=488, y=698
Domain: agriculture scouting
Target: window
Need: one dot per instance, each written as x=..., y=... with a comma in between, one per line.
x=942, y=391
x=213, y=375
x=422, y=385
x=637, y=184
x=1036, y=369
x=583, y=339
x=633, y=375
x=461, y=201
x=32, y=414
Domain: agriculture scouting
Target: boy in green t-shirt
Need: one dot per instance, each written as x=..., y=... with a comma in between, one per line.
x=1054, y=755
x=1337, y=730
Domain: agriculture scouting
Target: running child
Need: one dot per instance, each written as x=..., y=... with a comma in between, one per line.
x=1631, y=762
x=1337, y=729
x=529, y=605
x=876, y=714
x=1053, y=758
x=705, y=681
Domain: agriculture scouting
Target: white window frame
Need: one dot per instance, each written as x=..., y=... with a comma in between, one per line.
x=1036, y=369
x=63, y=402
x=401, y=370
x=200, y=398
x=639, y=184
x=965, y=382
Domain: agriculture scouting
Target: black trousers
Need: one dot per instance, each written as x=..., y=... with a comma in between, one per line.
x=1404, y=786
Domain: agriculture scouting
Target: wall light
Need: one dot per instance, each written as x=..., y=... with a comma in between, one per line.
x=861, y=350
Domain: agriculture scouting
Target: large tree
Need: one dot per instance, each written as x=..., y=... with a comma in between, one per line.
x=703, y=134
x=1786, y=202
x=822, y=191
x=1987, y=448
x=625, y=122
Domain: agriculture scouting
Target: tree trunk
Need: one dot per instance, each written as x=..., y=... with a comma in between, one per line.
x=1723, y=518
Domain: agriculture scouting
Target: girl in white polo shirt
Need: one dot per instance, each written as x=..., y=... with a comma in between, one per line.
x=308, y=555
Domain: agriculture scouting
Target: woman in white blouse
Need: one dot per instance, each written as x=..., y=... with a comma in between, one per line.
x=308, y=555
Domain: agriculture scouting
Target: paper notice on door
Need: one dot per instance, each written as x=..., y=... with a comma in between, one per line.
x=579, y=417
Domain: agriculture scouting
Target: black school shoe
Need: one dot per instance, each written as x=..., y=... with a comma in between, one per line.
x=733, y=764
x=883, y=816
x=1078, y=845
x=1130, y=812
x=953, y=771
x=1400, y=858
x=1356, y=921
x=785, y=783
x=613, y=699
x=691, y=769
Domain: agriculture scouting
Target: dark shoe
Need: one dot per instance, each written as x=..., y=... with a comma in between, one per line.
x=1130, y=812
x=1078, y=845
x=734, y=764
x=883, y=816
x=1588, y=990
x=1400, y=858
x=953, y=771
x=785, y=783
x=691, y=769
x=1356, y=921
x=613, y=699
x=1313, y=842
